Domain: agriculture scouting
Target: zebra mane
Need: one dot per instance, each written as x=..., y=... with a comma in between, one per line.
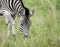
x=27, y=12
x=26, y=9
x=22, y=3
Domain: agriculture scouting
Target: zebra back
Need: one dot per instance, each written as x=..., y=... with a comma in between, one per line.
x=15, y=6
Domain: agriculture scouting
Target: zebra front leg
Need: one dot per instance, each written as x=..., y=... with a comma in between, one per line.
x=6, y=20
x=12, y=17
x=11, y=26
x=9, y=29
x=13, y=31
x=6, y=15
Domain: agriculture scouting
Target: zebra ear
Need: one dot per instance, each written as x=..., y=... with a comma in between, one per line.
x=31, y=13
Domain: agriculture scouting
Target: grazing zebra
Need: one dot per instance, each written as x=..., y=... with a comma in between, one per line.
x=11, y=8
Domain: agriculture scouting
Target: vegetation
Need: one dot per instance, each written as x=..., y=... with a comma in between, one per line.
x=44, y=30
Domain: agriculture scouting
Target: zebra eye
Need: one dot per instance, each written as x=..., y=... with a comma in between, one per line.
x=21, y=24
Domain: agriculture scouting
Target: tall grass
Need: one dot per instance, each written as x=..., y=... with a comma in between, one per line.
x=44, y=30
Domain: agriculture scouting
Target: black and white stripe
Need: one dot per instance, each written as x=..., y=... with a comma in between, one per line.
x=16, y=7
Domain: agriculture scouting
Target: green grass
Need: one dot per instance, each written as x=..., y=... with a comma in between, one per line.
x=44, y=30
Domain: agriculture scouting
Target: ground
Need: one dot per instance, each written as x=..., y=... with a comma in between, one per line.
x=44, y=30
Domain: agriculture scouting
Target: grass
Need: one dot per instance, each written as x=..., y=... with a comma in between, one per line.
x=44, y=30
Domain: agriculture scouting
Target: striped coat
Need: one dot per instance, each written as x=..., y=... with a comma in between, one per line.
x=11, y=8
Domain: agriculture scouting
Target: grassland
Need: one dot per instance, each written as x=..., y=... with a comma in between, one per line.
x=44, y=30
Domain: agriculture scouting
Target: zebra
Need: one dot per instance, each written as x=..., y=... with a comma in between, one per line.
x=12, y=8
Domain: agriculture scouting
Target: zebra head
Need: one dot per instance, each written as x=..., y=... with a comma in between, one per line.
x=25, y=22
